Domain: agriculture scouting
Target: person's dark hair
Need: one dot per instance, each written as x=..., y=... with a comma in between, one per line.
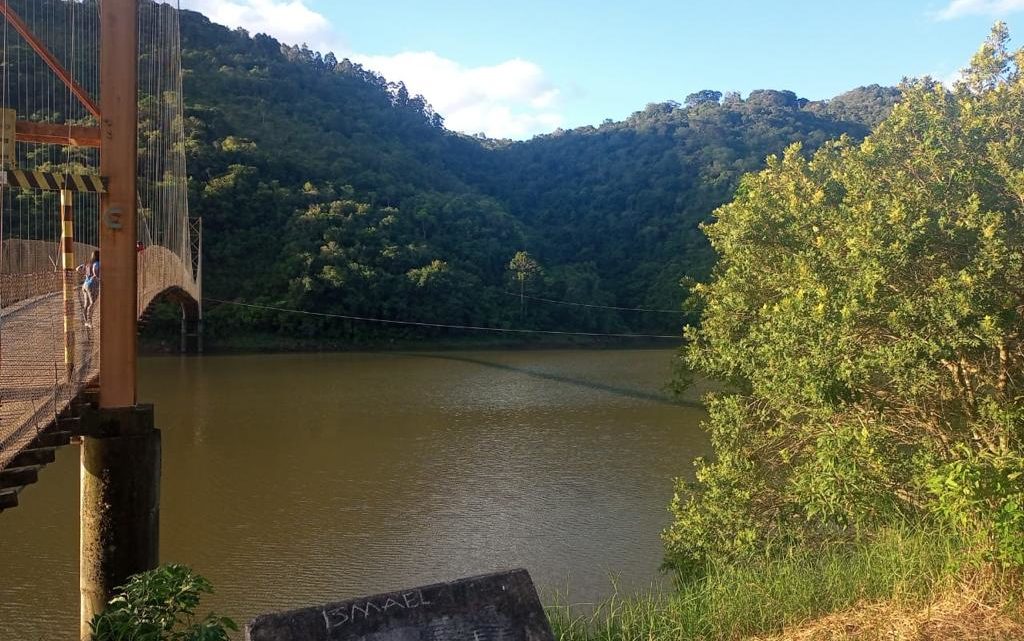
x=95, y=256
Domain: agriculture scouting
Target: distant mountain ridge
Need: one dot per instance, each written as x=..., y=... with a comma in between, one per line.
x=324, y=187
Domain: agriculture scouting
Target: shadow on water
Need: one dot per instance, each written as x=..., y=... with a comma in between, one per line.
x=568, y=380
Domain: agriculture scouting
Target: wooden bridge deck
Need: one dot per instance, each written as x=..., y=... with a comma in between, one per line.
x=34, y=385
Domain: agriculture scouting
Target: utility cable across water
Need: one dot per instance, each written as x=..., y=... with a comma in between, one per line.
x=475, y=328
x=596, y=306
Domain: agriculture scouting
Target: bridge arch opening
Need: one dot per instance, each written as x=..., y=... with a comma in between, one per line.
x=158, y=316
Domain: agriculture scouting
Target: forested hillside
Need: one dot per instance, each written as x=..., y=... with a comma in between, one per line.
x=324, y=187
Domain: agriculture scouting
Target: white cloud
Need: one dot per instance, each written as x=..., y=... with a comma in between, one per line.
x=951, y=79
x=289, y=20
x=512, y=99
x=961, y=8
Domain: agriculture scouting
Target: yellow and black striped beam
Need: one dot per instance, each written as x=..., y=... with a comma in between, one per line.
x=67, y=236
x=54, y=182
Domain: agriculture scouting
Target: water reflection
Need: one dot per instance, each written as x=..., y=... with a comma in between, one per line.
x=558, y=377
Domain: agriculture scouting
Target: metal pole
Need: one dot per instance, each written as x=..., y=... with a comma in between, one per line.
x=119, y=52
x=67, y=235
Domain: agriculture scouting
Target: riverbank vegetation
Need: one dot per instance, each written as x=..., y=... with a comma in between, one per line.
x=161, y=605
x=865, y=316
x=902, y=583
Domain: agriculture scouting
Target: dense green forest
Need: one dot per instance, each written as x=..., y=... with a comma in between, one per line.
x=324, y=187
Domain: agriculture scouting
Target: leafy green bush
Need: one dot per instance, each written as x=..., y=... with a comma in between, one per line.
x=985, y=488
x=865, y=315
x=160, y=605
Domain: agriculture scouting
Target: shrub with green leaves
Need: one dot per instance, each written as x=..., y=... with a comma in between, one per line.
x=160, y=605
x=865, y=313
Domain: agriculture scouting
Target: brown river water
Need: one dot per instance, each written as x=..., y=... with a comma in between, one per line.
x=292, y=480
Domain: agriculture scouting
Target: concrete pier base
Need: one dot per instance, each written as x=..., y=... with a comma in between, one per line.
x=120, y=504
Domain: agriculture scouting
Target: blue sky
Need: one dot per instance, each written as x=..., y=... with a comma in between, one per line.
x=517, y=69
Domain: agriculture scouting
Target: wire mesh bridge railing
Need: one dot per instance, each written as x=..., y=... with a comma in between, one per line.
x=50, y=204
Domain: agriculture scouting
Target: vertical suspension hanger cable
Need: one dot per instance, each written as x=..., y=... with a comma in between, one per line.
x=4, y=196
x=70, y=62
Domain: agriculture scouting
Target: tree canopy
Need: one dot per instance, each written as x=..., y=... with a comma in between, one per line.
x=325, y=187
x=865, y=315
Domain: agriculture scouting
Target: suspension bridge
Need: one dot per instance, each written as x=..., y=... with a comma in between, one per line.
x=92, y=159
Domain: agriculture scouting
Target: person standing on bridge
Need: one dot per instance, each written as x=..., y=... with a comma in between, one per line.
x=91, y=285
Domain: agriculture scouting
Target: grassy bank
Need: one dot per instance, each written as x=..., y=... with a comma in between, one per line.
x=905, y=568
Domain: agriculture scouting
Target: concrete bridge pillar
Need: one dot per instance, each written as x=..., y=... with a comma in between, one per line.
x=120, y=503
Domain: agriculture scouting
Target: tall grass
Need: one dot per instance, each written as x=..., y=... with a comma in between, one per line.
x=765, y=595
